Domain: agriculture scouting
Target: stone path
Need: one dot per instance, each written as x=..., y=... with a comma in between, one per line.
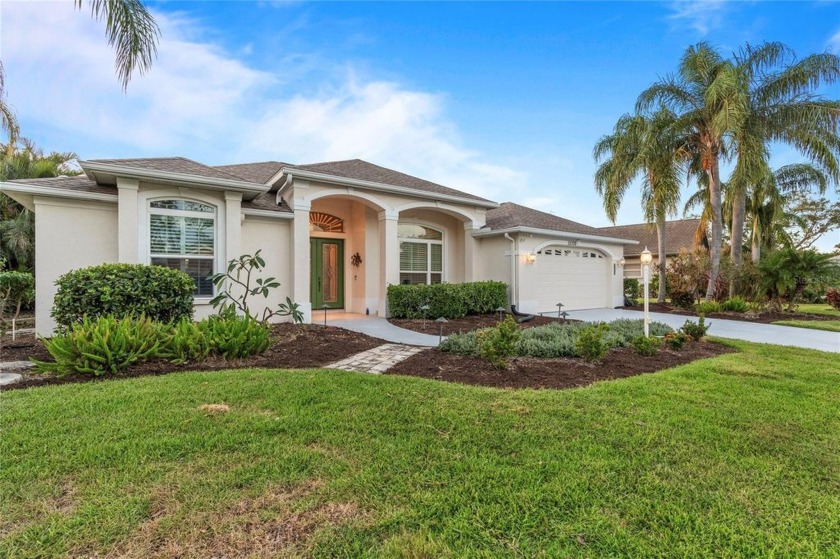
x=376, y=360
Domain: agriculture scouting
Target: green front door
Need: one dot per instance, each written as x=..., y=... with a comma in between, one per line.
x=327, y=257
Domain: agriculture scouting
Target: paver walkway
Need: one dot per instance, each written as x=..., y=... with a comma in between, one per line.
x=380, y=328
x=737, y=329
x=378, y=359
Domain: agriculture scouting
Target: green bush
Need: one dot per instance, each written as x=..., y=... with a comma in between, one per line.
x=623, y=330
x=706, y=307
x=497, y=344
x=104, y=345
x=832, y=297
x=185, y=341
x=682, y=299
x=123, y=290
x=735, y=304
x=462, y=344
x=631, y=288
x=17, y=290
x=590, y=345
x=695, y=330
x=449, y=300
x=647, y=346
x=550, y=341
x=233, y=336
x=676, y=340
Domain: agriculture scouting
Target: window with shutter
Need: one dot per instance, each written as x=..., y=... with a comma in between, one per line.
x=421, y=254
x=182, y=235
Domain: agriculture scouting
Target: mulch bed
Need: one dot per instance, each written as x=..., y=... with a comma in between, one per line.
x=465, y=324
x=527, y=372
x=297, y=347
x=766, y=317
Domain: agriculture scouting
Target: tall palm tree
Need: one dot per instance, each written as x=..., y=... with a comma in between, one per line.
x=648, y=147
x=8, y=122
x=780, y=106
x=706, y=98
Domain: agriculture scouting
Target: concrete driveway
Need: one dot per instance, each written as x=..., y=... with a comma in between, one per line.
x=739, y=330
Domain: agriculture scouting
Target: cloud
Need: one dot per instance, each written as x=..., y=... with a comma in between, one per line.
x=834, y=42
x=701, y=16
x=202, y=102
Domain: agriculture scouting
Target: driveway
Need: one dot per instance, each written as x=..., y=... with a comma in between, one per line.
x=739, y=330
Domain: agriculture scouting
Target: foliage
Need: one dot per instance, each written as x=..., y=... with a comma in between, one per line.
x=16, y=290
x=497, y=344
x=103, y=345
x=807, y=219
x=448, y=300
x=786, y=273
x=621, y=331
x=123, y=290
x=735, y=304
x=695, y=330
x=682, y=299
x=234, y=287
x=590, y=345
x=647, y=346
x=706, y=307
x=631, y=287
x=687, y=273
x=676, y=340
x=832, y=297
x=185, y=341
x=465, y=343
x=233, y=336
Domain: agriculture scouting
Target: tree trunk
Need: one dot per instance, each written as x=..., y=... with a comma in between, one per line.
x=713, y=172
x=662, y=261
x=738, y=215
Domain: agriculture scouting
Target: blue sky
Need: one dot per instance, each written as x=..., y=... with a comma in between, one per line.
x=501, y=99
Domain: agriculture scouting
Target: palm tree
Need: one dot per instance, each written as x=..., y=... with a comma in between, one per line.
x=8, y=122
x=650, y=148
x=706, y=98
x=780, y=106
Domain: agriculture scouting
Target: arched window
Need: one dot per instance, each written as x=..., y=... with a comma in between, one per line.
x=421, y=254
x=326, y=223
x=182, y=235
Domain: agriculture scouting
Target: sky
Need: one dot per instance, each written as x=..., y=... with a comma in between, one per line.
x=503, y=100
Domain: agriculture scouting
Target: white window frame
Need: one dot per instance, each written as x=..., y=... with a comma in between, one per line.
x=429, y=242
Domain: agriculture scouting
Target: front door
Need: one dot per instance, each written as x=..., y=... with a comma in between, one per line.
x=327, y=273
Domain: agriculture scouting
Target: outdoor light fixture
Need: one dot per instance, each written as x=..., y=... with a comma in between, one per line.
x=647, y=258
x=622, y=262
x=425, y=309
x=500, y=310
x=530, y=257
x=441, y=321
x=325, y=307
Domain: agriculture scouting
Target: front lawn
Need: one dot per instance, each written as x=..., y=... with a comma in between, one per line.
x=819, y=308
x=829, y=325
x=738, y=455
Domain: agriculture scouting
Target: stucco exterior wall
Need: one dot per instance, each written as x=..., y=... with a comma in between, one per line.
x=273, y=237
x=68, y=235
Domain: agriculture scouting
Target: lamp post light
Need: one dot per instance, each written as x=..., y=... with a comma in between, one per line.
x=425, y=309
x=500, y=310
x=441, y=321
x=325, y=307
x=647, y=257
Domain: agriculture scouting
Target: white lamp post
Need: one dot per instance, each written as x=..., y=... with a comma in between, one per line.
x=647, y=257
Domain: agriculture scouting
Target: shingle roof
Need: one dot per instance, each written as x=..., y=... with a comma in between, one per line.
x=78, y=183
x=255, y=172
x=679, y=234
x=266, y=201
x=362, y=170
x=509, y=215
x=180, y=165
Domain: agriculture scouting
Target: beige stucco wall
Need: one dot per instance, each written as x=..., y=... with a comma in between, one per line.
x=273, y=237
x=68, y=235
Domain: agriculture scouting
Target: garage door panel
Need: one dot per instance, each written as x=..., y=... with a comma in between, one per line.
x=575, y=277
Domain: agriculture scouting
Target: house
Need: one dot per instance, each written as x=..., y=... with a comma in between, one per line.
x=680, y=234
x=334, y=234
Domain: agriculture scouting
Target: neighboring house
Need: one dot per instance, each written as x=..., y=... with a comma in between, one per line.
x=680, y=234
x=309, y=221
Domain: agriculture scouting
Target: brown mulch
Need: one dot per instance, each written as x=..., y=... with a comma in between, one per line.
x=765, y=317
x=24, y=347
x=465, y=324
x=299, y=346
x=527, y=372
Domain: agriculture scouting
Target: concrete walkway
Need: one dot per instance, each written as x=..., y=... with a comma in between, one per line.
x=376, y=360
x=380, y=328
x=739, y=330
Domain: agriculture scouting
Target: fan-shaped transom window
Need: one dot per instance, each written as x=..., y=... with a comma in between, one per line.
x=421, y=254
x=325, y=223
x=182, y=235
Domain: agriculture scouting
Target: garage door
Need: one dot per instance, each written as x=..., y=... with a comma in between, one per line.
x=576, y=277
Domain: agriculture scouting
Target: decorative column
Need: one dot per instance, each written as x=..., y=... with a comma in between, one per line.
x=128, y=216
x=389, y=258
x=301, y=265
x=470, y=264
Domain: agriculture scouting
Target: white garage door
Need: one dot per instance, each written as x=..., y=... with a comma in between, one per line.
x=576, y=277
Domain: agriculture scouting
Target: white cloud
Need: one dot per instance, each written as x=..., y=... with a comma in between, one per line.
x=701, y=16
x=834, y=42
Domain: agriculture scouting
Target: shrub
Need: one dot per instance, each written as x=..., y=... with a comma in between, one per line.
x=832, y=297
x=631, y=287
x=590, y=342
x=233, y=336
x=623, y=330
x=676, y=340
x=17, y=289
x=786, y=273
x=462, y=344
x=497, y=344
x=682, y=299
x=706, y=307
x=695, y=330
x=185, y=341
x=646, y=345
x=104, y=345
x=124, y=290
x=735, y=304
x=550, y=341
x=449, y=300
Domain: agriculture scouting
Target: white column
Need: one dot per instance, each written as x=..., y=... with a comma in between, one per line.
x=301, y=264
x=389, y=258
x=128, y=215
x=470, y=252
x=233, y=227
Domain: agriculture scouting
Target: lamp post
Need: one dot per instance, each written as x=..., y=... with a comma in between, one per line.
x=500, y=310
x=441, y=321
x=425, y=309
x=647, y=257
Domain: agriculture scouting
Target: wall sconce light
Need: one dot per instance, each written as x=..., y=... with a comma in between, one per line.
x=530, y=257
x=622, y=262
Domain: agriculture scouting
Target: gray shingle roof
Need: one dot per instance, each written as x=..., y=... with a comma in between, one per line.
x=679, y=234
x=255, y=172
x=180, y=165
x=78, y=183
x=362, y=170
x=266, y=201
x=509, y=215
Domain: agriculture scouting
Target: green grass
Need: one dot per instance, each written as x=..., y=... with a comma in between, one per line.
x=829, y=325
x=734, y=456
x=818, y=308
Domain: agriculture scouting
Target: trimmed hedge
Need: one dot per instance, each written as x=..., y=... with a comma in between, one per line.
x=123, y=290
x=449, y=300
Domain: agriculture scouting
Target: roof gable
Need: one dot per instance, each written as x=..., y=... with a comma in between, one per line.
x=509, y=215
x=679, y=235
x=180, y=165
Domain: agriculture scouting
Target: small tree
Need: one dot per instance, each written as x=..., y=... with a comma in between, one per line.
x=16, y=289
x=785, y=274
x=235, y=288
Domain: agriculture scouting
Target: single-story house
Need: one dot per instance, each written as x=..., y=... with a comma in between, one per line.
x=680, y=234
x=334, y=234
